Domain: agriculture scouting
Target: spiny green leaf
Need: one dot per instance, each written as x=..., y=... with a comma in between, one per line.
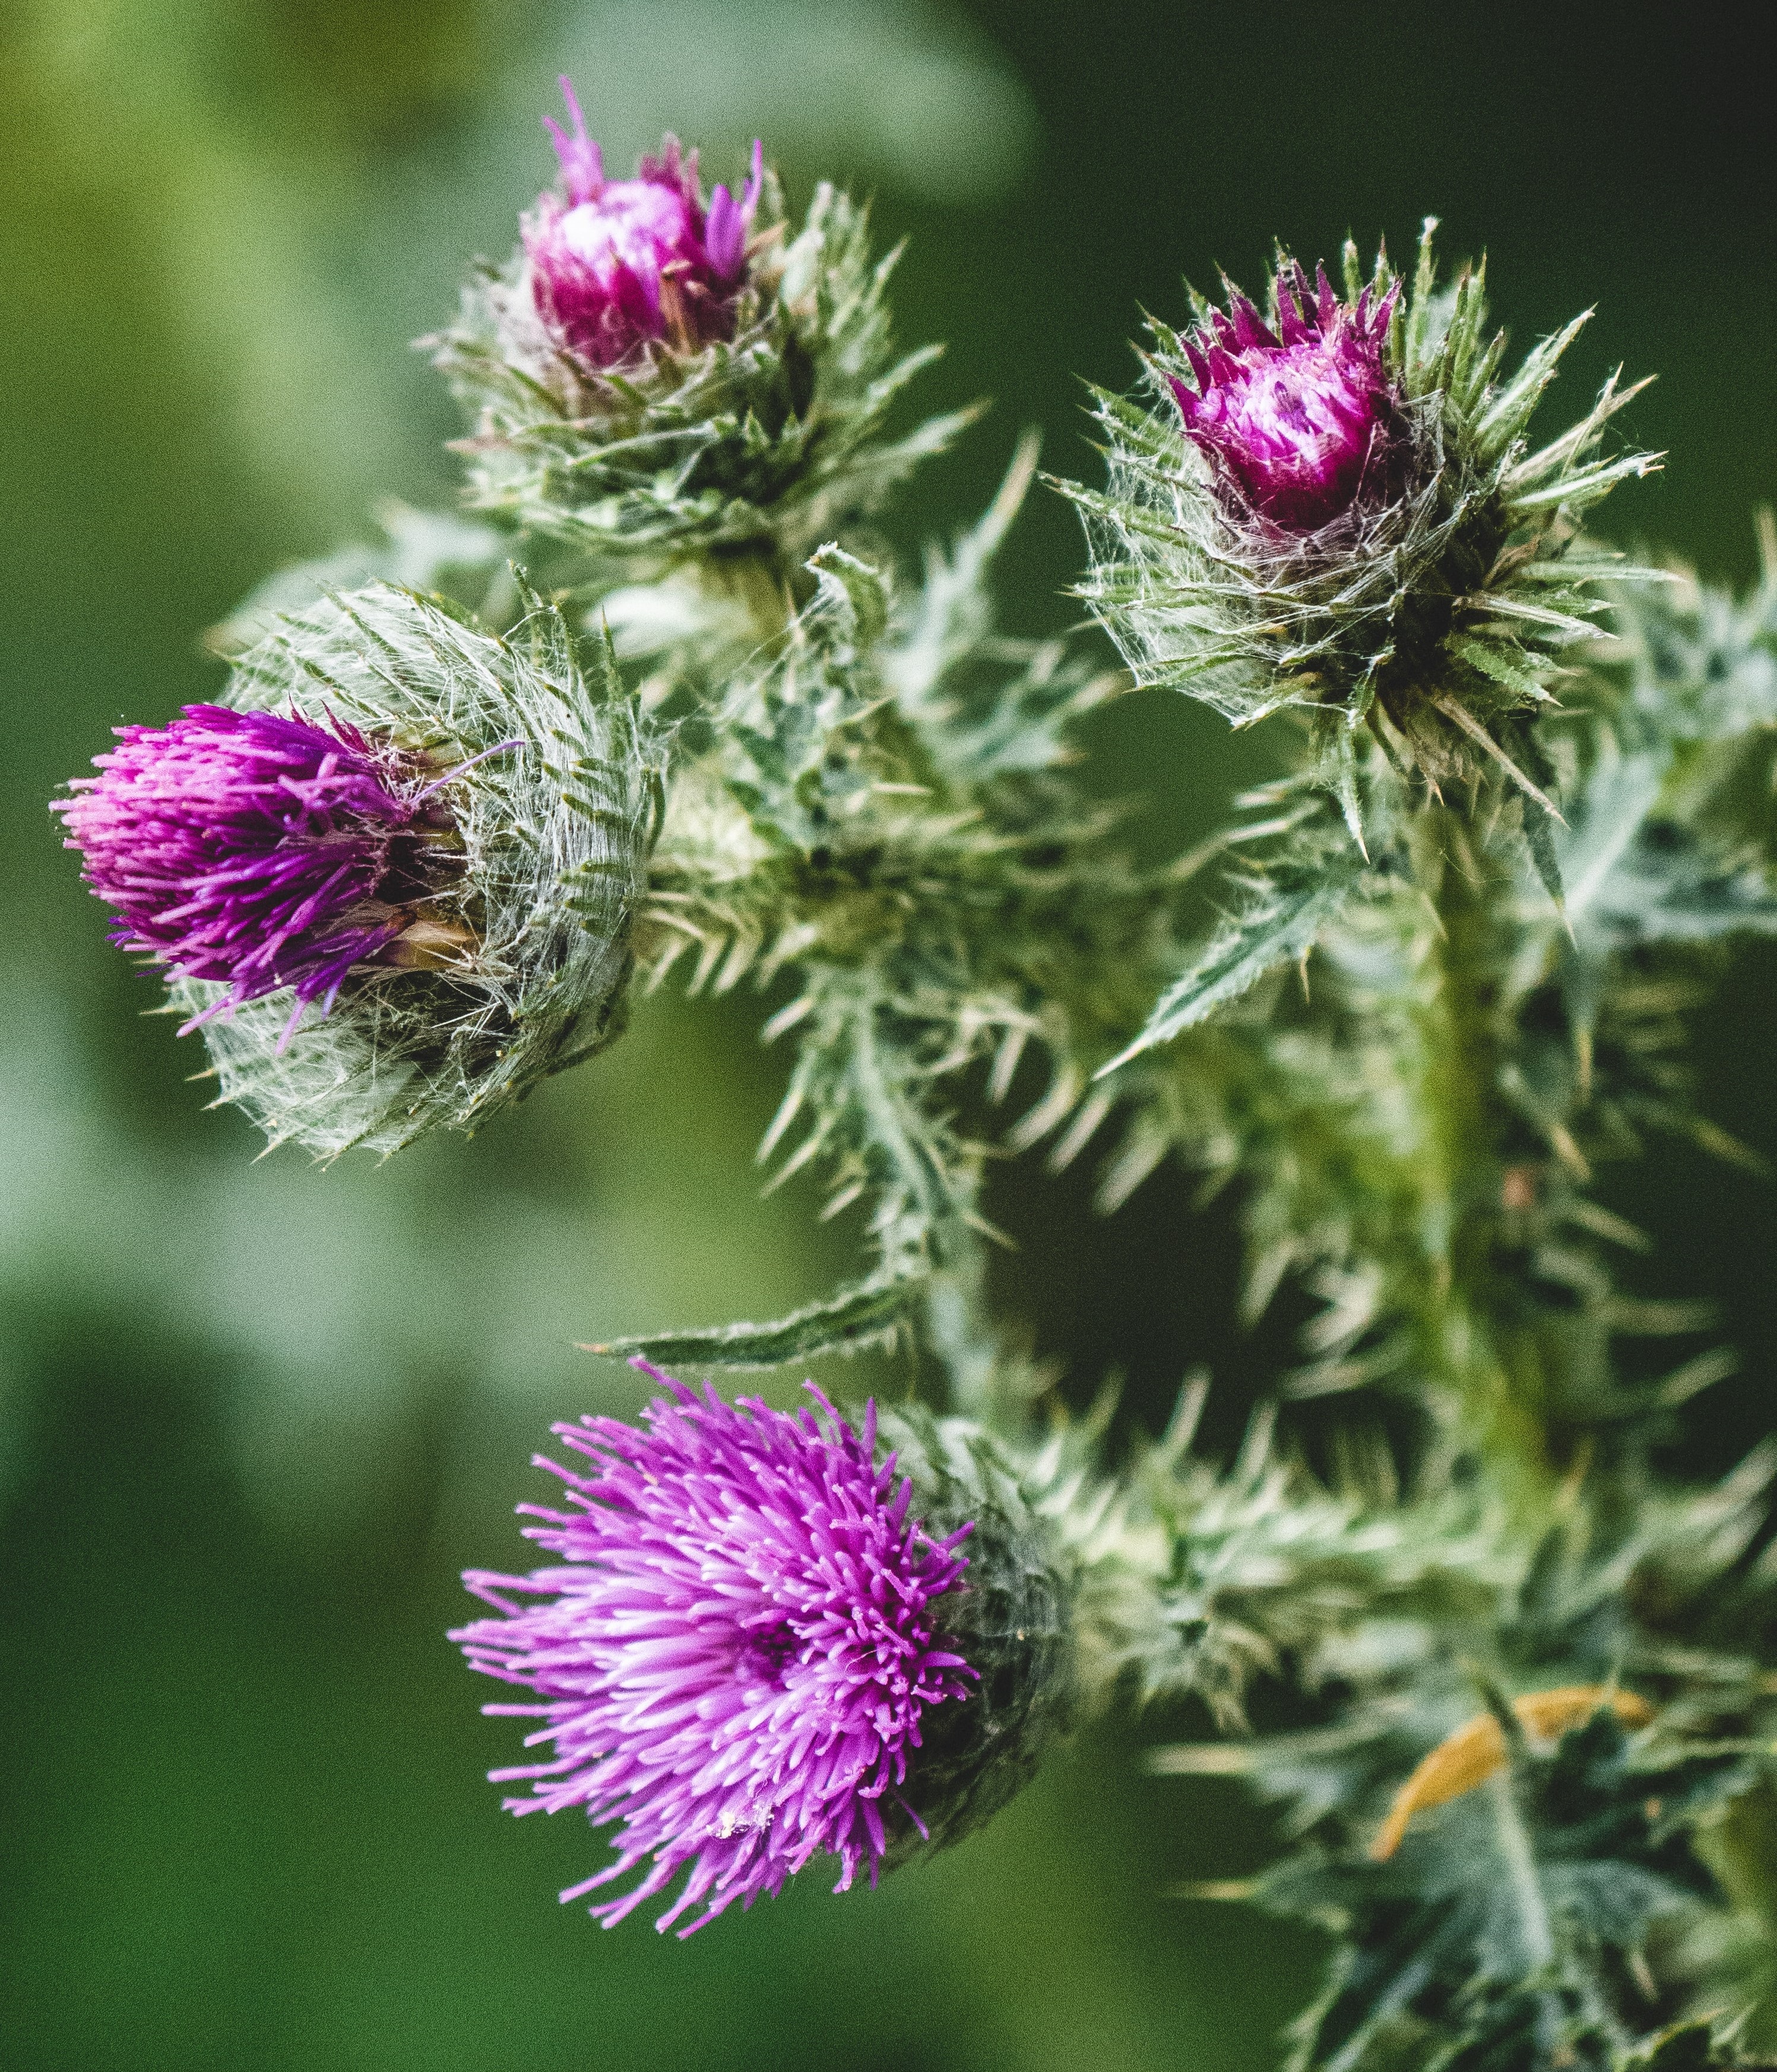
x=1282, y=924
x=1508, y=1910
x=867, y=1314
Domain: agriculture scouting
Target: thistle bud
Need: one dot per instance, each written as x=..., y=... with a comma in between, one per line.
x=658, y=379
x=617, y=267
x=1333, y=507
x=266, y=853
x=763, y=1643
x=391, y=878
x=1299, y=423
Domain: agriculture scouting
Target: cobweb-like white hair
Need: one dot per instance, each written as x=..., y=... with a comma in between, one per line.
x=555, y=821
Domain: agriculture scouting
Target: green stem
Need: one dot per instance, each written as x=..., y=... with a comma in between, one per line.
x=1474, y=1337
x=1537, y=1934
x=761, y=582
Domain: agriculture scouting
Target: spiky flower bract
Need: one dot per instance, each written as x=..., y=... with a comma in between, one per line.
x=1344, y=517
x=265, y=852
x=743, y=1655
x=540, y=796
x=651, y=382
x=617, y=266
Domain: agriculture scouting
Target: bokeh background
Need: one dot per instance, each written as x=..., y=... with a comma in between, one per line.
x=255, y=1417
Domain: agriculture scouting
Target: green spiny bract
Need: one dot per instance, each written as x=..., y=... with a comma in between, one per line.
x=1013, y=1620
x=552, y=778
x=1432, y=606
x=740, y=455
x=1196, y=1583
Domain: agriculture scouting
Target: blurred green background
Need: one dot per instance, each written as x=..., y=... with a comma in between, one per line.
x=255, y=1417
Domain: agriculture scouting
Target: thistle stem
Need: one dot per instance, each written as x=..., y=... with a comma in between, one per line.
x=1537, y=1935
x=1474, y=1334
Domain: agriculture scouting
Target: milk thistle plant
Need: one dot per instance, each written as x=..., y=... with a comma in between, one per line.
x=664, y=709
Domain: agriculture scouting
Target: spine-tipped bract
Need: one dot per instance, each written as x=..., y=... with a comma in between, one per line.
x=1336, y=509
x=393, y=879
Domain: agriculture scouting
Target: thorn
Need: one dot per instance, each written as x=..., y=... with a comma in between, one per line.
x=1470, y=726
x=1767, y=525
x=1568, y=1494
x=1561, y=1139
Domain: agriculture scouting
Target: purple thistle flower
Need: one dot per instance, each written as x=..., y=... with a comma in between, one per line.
x=261, y=851
x=1297, y=422
x=616, y=265
x=737, y=1658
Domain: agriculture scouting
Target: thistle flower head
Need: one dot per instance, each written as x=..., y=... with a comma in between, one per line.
x=618, y=266
x=1375, y=543
x=758, y=1636
x=738, y=1657
x=656, y=380
x=1295, y=420
x=263, y=851
x=432, y=835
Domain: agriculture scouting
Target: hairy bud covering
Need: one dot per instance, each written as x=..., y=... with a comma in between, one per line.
x=449, y=875
x=1015, y=1623
x=764, y=1644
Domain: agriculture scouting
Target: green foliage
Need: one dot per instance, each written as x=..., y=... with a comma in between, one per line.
x=870, y=1313
x=1690, y=2047
x=1419, y=1126
x=1289, y=902
x=1197, y=1583
x=875, y=818
x=1508, y=1933
x=1447, y=985
x=1421, y=1121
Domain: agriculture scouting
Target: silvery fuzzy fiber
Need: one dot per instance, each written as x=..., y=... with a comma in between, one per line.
x=554, y=831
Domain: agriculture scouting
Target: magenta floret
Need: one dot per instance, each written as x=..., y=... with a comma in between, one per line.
x=616, y=265
x=736, y=1659
x=1297, y=422
x=254, y=850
